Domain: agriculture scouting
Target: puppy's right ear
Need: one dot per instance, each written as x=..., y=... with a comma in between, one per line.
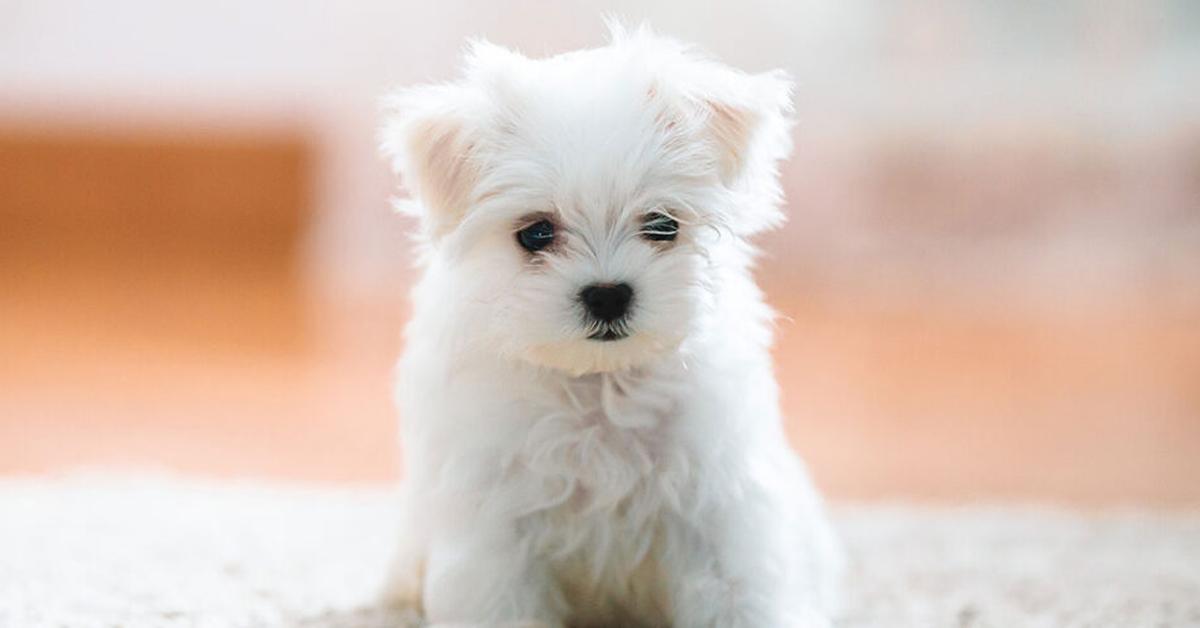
x=430, y=135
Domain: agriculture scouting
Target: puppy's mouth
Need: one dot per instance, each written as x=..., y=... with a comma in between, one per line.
x=609, y=335
x=609, y=331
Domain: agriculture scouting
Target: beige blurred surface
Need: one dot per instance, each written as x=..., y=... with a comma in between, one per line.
x=989, y=286
x=232, y=373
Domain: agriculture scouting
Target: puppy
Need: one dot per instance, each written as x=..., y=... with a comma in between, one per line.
x=591, y=421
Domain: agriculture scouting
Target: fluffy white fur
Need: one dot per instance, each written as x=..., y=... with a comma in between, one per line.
x=554, y=480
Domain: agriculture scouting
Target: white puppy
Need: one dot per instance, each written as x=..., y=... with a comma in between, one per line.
x=591, y=422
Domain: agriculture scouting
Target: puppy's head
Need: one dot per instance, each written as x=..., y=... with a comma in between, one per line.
x=585, y=212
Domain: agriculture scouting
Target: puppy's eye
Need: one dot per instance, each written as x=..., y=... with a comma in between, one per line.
x=537, y=236
x=660, y=227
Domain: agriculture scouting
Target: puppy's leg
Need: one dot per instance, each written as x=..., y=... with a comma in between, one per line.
x=739, y=568
x=487, y=577
x=403, y=585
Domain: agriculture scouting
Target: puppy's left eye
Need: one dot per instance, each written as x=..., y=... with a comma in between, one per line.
x=659, y=227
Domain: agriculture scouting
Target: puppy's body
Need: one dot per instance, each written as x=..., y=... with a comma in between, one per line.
x=568, y=465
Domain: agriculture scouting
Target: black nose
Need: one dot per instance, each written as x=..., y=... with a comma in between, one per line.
x=607, y=302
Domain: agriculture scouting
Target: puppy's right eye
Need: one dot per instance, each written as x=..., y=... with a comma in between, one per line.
x=537, y=236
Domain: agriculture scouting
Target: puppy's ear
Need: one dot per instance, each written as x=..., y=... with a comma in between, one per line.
x=751, y=121
x=431, y=134
x=747, y=121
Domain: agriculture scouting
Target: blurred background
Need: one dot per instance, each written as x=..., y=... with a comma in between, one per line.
x=990, y=283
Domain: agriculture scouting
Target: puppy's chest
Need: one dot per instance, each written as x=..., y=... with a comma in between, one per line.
x=606, y=445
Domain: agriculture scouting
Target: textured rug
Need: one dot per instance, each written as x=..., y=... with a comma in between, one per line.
x=141, y=552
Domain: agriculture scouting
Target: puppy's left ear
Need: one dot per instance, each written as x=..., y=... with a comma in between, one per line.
x=431, y=135
x=747, y=119
x=750, y=123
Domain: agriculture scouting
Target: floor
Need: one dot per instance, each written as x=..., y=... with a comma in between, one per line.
x=163, y=552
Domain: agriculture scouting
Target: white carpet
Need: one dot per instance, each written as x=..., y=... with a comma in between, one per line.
x=133, y=553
